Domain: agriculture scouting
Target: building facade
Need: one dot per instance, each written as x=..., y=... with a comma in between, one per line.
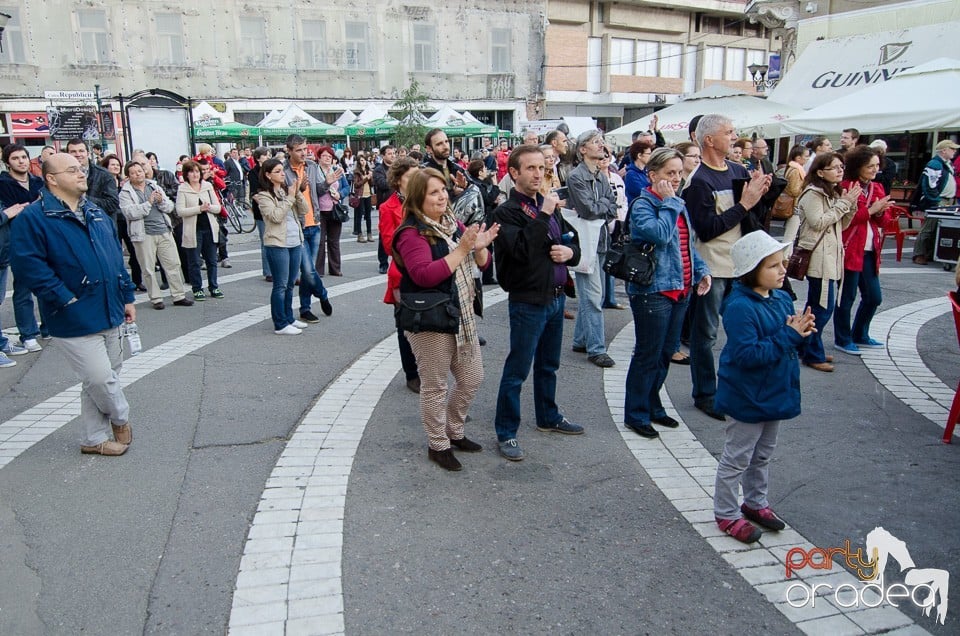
x=618, y=61
x=485, y=56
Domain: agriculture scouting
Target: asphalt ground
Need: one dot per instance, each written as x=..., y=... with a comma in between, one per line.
x=574, y=539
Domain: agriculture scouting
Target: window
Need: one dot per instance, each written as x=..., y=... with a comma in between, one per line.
x=736, y=64
x=313, y=44
x=733, y=26
x=753, y=30
x=356, y=45
x=648, y=58
x=13, y=52
x=169, y=39
x=500, y=50
x=713, y=63
x=424, y=47
x=709, y=24
x=94, y=36
x=756, y=57
x=671, y=59
x=253, y=38
x=621, y=56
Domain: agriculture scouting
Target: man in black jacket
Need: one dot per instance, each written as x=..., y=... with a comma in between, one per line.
x=533, y=249
x=101, y=185
x=381, y=186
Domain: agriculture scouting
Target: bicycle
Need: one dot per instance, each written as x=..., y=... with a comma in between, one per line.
x=239, y=212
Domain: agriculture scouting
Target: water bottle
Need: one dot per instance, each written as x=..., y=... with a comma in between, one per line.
x=132, y=335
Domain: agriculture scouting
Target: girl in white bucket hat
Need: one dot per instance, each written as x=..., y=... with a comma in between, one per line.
x=758, y=382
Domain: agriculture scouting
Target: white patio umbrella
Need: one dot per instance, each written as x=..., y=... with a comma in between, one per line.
x=749, y=114
x=926, y=97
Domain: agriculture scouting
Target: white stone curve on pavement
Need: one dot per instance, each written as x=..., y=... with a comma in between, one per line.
x=899, y=368
x=32, y=425
x=685, y=471
x=290, y=573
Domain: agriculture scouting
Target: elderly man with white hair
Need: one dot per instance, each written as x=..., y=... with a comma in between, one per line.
x=720, y=198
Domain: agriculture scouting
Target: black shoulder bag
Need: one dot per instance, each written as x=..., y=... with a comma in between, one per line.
x=634, y=263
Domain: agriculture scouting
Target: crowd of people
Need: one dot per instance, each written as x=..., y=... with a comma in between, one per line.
x=537, y=219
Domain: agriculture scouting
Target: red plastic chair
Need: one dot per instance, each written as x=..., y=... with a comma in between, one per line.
x=893, y=228
x=955, y=407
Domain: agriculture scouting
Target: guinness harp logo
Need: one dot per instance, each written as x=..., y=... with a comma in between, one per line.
x=890, y=52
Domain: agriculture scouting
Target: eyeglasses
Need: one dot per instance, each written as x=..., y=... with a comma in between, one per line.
x=70, y=170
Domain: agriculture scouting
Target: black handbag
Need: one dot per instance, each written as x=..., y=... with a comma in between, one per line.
x=630, y=262
x=428, y=311
x=340, y=212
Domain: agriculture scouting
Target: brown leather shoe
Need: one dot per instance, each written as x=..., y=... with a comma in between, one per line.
x=568, y=315
x=109, y=448
x=920, y=259
x=826, y=367
x=122, y=433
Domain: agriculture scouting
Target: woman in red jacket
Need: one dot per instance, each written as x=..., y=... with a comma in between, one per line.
x=391, y=214
x=861, y=260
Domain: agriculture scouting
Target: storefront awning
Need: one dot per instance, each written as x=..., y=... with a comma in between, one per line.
x=829, y=69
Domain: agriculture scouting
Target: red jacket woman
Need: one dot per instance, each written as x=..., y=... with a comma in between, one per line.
x=864, y=223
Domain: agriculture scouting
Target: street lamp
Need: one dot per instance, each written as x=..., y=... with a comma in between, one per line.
x=4, y=18
x=758, y=73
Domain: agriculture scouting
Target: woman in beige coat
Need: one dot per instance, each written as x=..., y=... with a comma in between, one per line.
x=283, y=208
x=198, y=206
x=825, y=211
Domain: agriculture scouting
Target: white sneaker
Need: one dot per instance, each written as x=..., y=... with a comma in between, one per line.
x=299, y=324
x=6, y=362
x=31, y=345
x=289, y=330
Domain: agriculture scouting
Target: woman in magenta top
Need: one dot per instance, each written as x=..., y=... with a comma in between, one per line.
x=433, y=252
x=861, y=253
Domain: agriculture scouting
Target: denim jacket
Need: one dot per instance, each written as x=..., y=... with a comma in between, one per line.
x=654, y=220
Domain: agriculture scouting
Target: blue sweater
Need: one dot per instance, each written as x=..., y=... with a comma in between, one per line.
x=759, y=375
x=75, y=270
x=635, y=181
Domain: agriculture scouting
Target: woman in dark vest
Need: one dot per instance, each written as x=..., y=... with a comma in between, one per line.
x=433, y=252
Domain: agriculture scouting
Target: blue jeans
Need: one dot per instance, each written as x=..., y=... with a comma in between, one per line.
x=310, y=283
x=813, y=348
x=868, y=283
x=284, y=263
x=703, y=335
x=23, y=311
x=609, y=290
x=589, y=332
x=656, y=327
x=4, y=272
x=536, y=337
x=261, y=227
x=206, y=248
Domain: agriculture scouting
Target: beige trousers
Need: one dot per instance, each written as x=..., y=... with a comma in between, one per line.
x=162, y=246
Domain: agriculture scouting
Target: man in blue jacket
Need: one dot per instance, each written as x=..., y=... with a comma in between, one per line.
x=66, y=250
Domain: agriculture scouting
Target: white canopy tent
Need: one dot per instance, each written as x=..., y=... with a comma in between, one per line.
x=293, y=116
x=373, y=112
x=749, y=114
x=347, y=118
x=269, y=119
x=204, y=111
x=926, y=97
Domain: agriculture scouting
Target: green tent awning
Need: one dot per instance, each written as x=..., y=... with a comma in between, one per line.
x=229, y=131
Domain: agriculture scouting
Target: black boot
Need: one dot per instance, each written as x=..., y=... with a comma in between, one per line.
x=445, y=458
x=466, y=445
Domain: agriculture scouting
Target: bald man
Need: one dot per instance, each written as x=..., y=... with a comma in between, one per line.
x=66, y=251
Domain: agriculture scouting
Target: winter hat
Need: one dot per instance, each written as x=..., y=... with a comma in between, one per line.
x=751, y=249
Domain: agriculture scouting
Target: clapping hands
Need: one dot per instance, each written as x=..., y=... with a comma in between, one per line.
x=803, y=323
